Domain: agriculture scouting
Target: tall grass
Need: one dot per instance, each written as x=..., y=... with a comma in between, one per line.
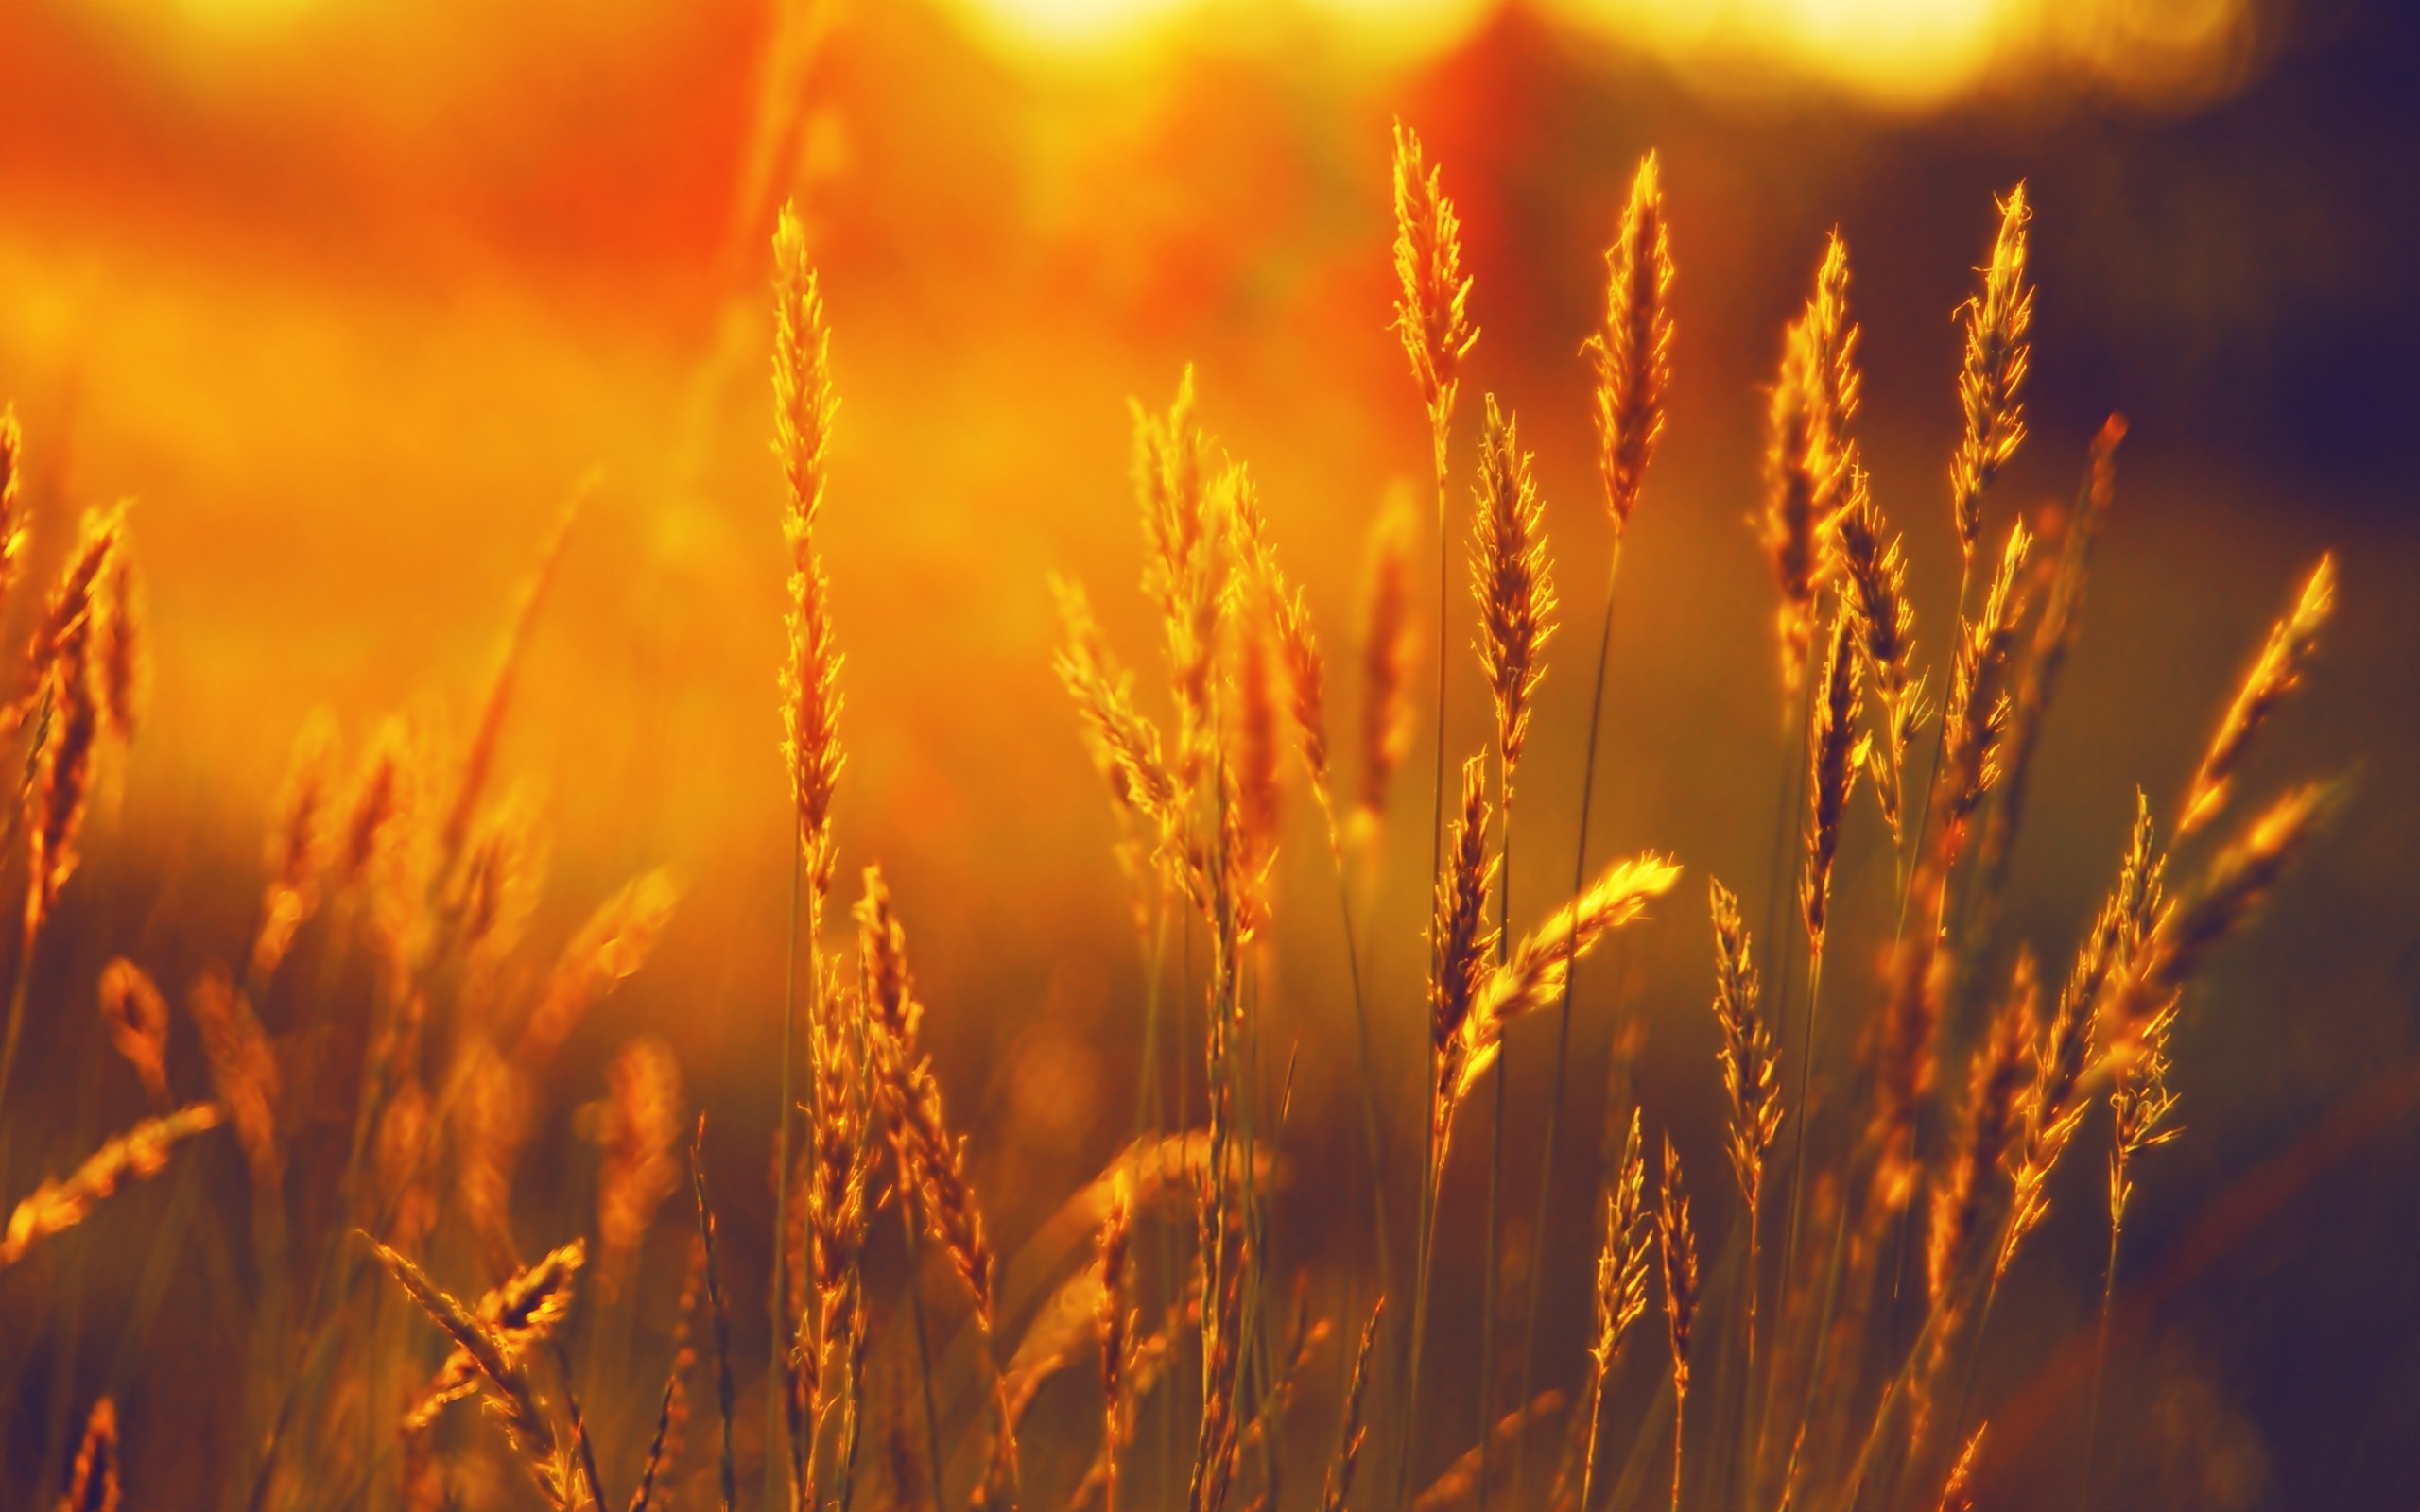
x=1788, y=1379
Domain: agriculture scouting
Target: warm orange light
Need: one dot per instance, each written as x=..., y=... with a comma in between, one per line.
x=1905, y=52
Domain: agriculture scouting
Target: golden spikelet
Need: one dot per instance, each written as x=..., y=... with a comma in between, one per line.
x=2235, y=884
x=1459, y=940
x=137, y=1018
x=1622, y=1261
x=1991, y=373
x=1114, y=1318
x=840, y=1165
x=1632, y=354
x=803, y=411
x=2275, y=674
x=2139, y=1107
x=1289, y=618
x=123, y=654
x=93, y=1486
x=1999, y=1088
x=243, y=1067
x=1677, y=1243
x=64, y=656
x=1513, y=580
x=1958, y=1492
x=508, y=1384
x=1834, y=753
x=1125, y=743
x=370, y=823
x=139, y=1154
x=1979, y=708
x=1183, y=508
x=1090, y=672
x=640, y=1126
x=1876, y=574
x=1810, y=460
x=2055, y=1110
x=609, y=948
x=1431, y=311
x=1533, y=977
x=1751, y=1073
x=518, y=1315
x=297, y=846
x=398, y=1159
x=1386, y=658
x=931, y=1160
x=13, y=525
x=1623, y=1258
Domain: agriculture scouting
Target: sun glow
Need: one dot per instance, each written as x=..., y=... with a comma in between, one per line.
x=1904, y=52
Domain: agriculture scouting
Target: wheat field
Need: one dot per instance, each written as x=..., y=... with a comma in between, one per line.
x=866, y=942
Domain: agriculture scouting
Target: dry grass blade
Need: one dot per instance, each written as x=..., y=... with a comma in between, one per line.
x=1511, y=579
x=2275, y=674
x=139, y=1153
x=1632, y=352
x=1992, y=374
x=1534, y=974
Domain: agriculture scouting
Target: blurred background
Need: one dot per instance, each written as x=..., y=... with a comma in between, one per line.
x=348, y=294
